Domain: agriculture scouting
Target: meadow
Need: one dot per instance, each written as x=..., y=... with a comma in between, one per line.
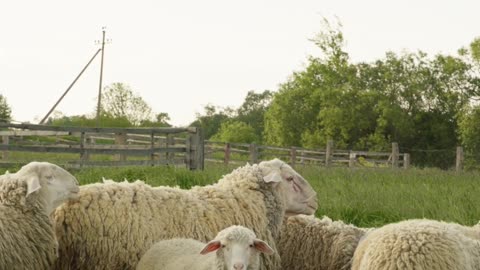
x=362, y=196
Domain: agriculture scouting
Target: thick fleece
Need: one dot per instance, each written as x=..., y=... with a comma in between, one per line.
x=180, y=253
x=114, y=224
x=419, y=244
x=309, y=243
x=27, y=238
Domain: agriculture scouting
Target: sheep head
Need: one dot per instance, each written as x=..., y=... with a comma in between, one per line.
x=237, y=248
x=54, y=183
x=299, y=195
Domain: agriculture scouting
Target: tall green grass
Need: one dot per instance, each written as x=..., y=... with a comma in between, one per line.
x=364, y=197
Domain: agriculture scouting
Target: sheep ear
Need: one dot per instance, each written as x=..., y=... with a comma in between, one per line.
x=262, y=247
x=273, y=176
x=210, y=247
x=33, y=184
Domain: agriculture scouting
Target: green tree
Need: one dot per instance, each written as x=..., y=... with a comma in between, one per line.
x=411, y=98
x=212, y=119
x=85, y=121
x=235, y=132
x=118, y=100
x=5, y=110
x=161, y=120
x=252, y=111
x=469, y=132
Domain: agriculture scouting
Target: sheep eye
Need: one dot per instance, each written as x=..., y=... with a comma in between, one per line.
x=251, y=245
x=223, y=246
x=290, y=178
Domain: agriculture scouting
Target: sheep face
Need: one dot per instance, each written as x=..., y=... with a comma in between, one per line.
x=237, y=247
x=57, y=184
x=299, y=195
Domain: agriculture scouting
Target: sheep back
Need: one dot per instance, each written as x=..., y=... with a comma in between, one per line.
x=307, y=243
x=177, y=254
x=113, y=224
x=418, y=244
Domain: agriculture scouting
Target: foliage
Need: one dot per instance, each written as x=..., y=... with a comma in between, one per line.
x=119, y=101
x=5, y=110
x=106, y=120
x=235, y=132
x=469, y=126
x=161, y=120
x=252, y=111
x=211, y=121
x=411, y=98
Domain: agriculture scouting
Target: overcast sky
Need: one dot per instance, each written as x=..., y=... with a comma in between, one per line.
x=182, y=55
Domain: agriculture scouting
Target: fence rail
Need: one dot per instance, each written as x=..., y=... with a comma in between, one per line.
x=178, y=146
x=145, y=145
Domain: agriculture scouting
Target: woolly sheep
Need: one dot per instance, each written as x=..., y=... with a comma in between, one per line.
x=237, y=248
x=419, y=244
x=113, y=224
x=27, y=198
x=307, y=243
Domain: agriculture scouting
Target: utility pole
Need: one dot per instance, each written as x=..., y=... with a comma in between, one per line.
x=99, y=105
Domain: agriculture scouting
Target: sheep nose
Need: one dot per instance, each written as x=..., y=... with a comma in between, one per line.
x=238, y=266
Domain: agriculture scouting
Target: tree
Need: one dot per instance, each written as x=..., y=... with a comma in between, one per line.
x=5, y=110
x=235, y=132
x=118, y=100
x=212, y=119
x=252, y=111
x=469, y=132
x=161, y=120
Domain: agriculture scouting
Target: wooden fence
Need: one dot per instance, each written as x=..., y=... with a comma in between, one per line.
x=329, y=156
x=174, y=146
x=130, y=146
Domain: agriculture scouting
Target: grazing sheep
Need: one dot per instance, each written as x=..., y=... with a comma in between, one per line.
x=419, y=244
x=307, y=243
x=113, y=224
x=27, y=198
x=237, y=248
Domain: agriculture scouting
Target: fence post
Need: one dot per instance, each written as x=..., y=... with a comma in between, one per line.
x=152, y=145
x=121, y=139
x=395, y=155
x=406, y=161
x=82, y=148
x=253, y=153
x=460, y=158
x=226, y=157
x=293, y=156
x=5, y=141
x=196, y=147
x=352, y=159
x=169, y=141
x=329, y=153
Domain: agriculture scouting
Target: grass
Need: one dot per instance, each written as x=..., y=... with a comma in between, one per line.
x=364, y=197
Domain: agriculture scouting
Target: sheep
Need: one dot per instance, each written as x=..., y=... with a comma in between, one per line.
x=419, y=244
x=307, y=243
x=113, y=224
x=237, y=248
x=27, y=198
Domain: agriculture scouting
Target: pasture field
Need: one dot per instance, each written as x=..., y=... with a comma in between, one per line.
x=361, y=196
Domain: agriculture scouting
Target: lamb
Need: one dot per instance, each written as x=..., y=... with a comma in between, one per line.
x=420, y=244
x=307, y=243
x=113, y=224
x=27, y=198
x=237, y=248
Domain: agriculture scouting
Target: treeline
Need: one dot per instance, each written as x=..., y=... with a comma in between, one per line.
x=428, y=104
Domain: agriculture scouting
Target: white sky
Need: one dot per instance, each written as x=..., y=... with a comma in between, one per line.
x=181, y=55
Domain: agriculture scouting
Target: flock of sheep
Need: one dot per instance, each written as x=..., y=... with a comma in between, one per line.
x=258, y=216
